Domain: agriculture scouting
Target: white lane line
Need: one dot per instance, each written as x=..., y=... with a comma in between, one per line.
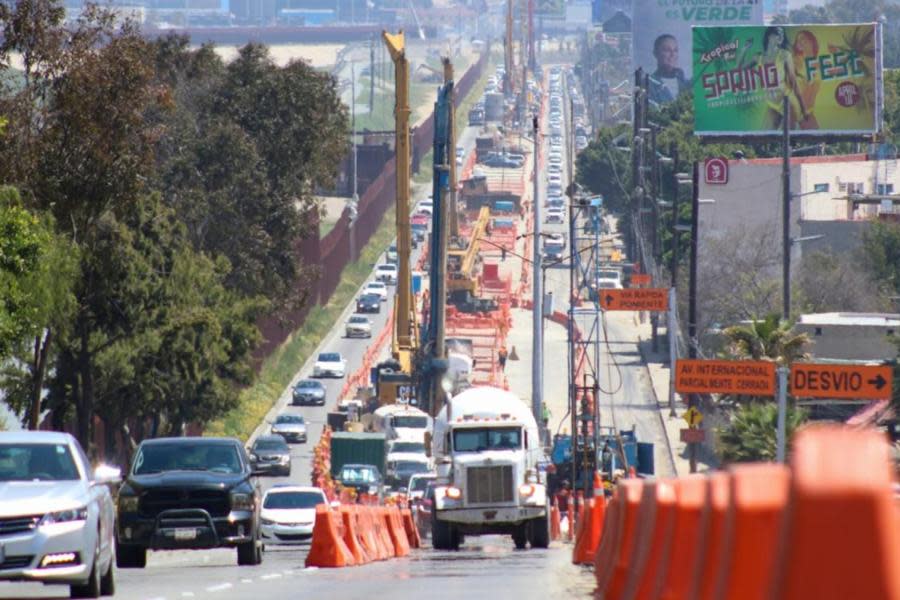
x=218, y=588
x=187, y=594
x=268, y=576
x=157, y=598
x=288, y=571
x=246, y=581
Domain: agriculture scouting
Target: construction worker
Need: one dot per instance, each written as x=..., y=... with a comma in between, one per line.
x=545, y=414
x=502, y=354
x=502, y=253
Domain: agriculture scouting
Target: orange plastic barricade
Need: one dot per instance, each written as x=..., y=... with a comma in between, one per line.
x=711, y=560
x=605, y=557
x=753, y=534
x=367, y=536
x=351, y=535
x=581, y=531
x=655, y=546
x=412, y=532
x=398, y=535
x=842, y=538
x=590, y=532
x=691, y=516
x=554, y=520
x=570, y=510
x=383, y=535
x=631, y=491
x=327, y=548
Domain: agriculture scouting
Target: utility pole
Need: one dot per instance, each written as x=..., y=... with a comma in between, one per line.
x=371, y=75
x=451, y=157
x=355, y=202
x=635, y=166
x=537, y=298
x=786, y=210
x=692, y=295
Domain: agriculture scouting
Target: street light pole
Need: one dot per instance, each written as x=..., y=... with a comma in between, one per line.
x=692, y=295
x=786, y=210
x=537, y=299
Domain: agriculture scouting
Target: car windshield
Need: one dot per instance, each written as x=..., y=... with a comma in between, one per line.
x=359, y=320
x=410, y=466
x=369, y=298
x=419, y=484
x=186, y=456
x=486, y=438
x=362, y=474
x=329, y=357
x=387, y=267
x=376, y=285
x=416, y=447
x=410, y=422
x=289, y=419
x=607, y=274
x=309, y=384
x=289, y=500
x=269, y=445
x=37, y=462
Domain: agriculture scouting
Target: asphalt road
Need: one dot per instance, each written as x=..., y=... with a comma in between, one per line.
x=486, y=567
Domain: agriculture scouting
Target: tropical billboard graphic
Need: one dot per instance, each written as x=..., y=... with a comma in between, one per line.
x=661, y=37
x=830, y=74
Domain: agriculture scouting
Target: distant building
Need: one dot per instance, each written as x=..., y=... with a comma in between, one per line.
x=851, y=336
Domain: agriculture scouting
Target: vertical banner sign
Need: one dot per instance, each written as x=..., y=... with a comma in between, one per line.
x=831, y=75
x=661, y=37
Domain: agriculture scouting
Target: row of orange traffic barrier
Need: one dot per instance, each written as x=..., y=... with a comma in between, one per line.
x=360, y=378
x=826, y=528
x=353, y=535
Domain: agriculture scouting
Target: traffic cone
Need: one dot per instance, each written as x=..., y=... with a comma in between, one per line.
x=554, y=520
x=513, y=355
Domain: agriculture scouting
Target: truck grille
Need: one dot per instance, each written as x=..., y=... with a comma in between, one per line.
x=214, y=502
x=489, y=484
x=11, y=525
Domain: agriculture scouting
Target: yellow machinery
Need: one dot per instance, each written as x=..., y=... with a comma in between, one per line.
x=461, y=263
x=394, y=378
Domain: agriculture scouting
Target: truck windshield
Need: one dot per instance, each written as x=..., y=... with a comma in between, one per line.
x=186, y=456
x=494, y=438
x=410, y=422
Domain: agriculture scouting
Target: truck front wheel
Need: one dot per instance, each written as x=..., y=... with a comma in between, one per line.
x=444, y=536
x=520, y=536
x=539, y=532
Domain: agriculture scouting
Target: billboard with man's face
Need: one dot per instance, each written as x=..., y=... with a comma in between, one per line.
x=661, y=37
x=829, y=74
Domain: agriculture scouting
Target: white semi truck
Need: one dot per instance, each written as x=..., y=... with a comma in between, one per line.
x=486, y=447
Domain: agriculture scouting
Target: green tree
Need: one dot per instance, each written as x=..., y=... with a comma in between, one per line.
x=881, y=254
x=750, y=436
x=769, y=338
x=603, y=167
x=827, y=282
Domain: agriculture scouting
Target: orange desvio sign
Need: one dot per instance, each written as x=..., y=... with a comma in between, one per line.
x=654, y=299
x=746, y=377
x=810, y=380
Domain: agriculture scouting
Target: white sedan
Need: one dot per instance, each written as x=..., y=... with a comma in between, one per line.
x=378, y=288
x=57, y=518
x=288, y=513
x=330, y=364
x=358, y=326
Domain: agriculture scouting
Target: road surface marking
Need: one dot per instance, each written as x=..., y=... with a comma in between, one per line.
x=187, y=594
x=218, y=588
x=268, y=576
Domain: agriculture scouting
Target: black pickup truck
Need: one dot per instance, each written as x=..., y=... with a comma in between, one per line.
x=188, y=493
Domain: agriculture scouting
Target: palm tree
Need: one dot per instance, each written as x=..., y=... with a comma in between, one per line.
x=750, y=436
x=769, y=338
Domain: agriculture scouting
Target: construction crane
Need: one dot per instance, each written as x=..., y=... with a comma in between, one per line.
x=394, y=378
x=461, y=262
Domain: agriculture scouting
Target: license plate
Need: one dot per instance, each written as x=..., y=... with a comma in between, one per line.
x=183, y=534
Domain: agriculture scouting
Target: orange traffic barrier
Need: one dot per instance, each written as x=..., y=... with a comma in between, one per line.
x=570, y=510
x=605, y=557
x=586, y=548
x=349, y=516
x=579, y=508
x=367, y=535
x=384, y=538
x=842, y=536
x=712, y=556
x=753, y=533
x=412, y=532
x=554, y=520
x=691, y=516
x=631, y=491
x=395, y=528
x=581, y=532
x=655, y=546
x=327, y=548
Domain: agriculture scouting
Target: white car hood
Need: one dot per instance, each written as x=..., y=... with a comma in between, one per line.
x=298, y=427
x=289, y=515
x=19, y=498
x=329, y=365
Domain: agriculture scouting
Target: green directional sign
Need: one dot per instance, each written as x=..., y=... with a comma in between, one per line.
x=551, y=8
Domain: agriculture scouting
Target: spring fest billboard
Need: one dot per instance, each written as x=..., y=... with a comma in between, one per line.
x=831, y=75
x=661, y=37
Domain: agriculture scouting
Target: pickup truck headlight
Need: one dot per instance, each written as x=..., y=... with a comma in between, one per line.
x=242, y=501
x=65, y=516
x=128, y=504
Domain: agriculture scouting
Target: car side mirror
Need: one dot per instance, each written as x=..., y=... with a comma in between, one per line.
x=106, y=474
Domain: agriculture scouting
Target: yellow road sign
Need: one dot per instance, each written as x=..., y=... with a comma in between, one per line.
x=692, y=416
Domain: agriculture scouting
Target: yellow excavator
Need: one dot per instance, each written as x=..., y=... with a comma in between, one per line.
x=461, y=272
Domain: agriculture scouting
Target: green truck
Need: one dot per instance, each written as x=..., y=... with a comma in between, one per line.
x=356, y=452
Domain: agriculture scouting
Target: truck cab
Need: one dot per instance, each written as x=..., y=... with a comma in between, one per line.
x=487, y=449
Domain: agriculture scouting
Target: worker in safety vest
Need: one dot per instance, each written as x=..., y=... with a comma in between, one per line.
x=502, y=354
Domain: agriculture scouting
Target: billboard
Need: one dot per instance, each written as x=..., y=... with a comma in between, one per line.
x=661, y=37
x=831, y=75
